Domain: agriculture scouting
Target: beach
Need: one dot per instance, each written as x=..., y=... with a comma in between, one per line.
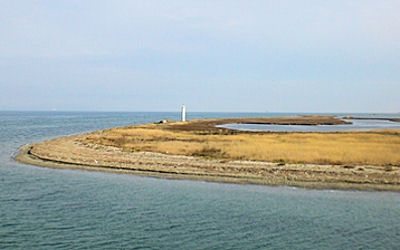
x=93, y=151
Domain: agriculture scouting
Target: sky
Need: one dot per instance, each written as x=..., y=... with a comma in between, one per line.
x=213, y=56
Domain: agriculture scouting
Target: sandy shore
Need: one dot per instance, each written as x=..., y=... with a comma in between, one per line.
x=70, y=152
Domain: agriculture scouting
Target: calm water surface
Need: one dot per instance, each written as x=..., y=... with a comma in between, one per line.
x=43, y=208
x=359, y=125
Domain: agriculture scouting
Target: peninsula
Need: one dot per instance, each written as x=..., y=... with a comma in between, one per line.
x=198, y=149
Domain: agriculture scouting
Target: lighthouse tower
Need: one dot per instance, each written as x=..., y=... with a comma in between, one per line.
x=183, y=113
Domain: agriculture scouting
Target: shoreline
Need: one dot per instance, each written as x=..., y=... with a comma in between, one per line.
x=373, y=118
x=25, y=156
x=198, y=150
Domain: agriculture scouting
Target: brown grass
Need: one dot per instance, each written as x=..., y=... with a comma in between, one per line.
x=207, y=126
x=201, y=138
x=360, y=160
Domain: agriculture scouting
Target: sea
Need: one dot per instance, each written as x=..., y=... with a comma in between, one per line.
x=44, y=208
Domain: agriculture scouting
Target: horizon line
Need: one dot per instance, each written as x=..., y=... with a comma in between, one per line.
x=178, y=111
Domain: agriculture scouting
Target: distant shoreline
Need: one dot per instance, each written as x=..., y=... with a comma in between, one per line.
x=373, y=118
x=97, y=154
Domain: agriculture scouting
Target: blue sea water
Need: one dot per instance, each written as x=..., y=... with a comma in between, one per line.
x=42, y=208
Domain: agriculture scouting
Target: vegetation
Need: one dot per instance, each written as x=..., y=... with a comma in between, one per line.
x=348, y=160
x=201, y=138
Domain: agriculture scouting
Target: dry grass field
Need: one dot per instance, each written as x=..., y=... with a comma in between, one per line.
x=199, y=150
x=201, y=138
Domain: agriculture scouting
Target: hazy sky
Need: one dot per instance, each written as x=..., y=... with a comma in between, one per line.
x=280, y=56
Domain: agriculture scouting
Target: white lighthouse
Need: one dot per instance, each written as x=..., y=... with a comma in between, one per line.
x=183, y=113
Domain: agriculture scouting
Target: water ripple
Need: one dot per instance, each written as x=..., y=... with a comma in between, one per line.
x=44, y=208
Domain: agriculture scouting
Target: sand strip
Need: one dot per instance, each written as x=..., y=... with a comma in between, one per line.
x=68, y=152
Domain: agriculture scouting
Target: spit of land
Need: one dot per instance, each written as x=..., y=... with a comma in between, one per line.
x=198, y=149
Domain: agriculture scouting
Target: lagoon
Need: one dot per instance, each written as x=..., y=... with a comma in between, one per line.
x=357, y=125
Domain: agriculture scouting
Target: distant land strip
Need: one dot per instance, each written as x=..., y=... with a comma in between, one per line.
x=373, y=118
